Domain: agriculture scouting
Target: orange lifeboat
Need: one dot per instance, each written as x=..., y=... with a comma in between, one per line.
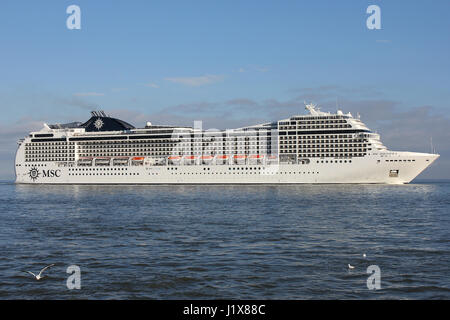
x=222, y=157
x=256, y=156
x=190, y=157
x=174, y=158
x=137, y=158
x=207, y=157
x=240, y=156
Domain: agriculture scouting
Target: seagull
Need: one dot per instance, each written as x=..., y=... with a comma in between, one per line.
x=364, y=255
x=39, y=276
x=350, y=266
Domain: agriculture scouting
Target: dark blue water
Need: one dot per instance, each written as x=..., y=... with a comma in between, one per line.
x=231, y=242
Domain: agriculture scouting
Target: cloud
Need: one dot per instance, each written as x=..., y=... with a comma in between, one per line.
x=224, y=119
x=261, y=69
x=242, y=102
x=238, y=106
x=334, y=91
x=88, y=94
x=196, y=81
x=71, y=101
x=253, y=68
x=199, y=107
x=151, y=85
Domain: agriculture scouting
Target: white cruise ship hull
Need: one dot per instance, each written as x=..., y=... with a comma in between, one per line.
x=389, y=168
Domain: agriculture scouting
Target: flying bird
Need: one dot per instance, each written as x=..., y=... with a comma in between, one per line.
x=350, y=266
x=364, y=255
x=40, y=276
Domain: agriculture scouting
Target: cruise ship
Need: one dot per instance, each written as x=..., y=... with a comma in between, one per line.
x=318, y=147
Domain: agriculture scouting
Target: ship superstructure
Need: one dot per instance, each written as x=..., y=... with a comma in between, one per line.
x=319, y=147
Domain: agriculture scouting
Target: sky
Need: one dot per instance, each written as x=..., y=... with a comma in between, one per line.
x=229, y=64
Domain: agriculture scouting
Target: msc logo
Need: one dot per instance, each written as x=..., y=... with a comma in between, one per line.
x=51, y=173
x=34, y=174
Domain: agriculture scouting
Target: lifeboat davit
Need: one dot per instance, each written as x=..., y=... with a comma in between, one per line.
x=120, y=160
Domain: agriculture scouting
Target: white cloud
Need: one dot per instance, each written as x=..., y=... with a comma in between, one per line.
x=196, y=81
x=151, y=85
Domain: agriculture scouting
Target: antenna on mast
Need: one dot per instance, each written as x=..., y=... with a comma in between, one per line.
x=311, y=108
x=431, y=144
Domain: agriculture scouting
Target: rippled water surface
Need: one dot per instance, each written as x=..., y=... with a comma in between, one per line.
x=237, y=242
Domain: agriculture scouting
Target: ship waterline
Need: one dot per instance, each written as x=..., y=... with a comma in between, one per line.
x=319, y=147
